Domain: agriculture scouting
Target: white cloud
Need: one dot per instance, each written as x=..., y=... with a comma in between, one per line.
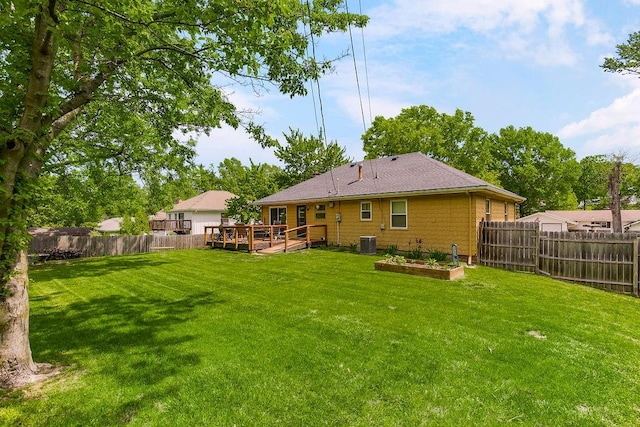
x=621, y=112
x=227, y=142
x=533, y=30
x=621, y=140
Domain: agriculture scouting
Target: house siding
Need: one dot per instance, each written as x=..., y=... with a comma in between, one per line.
x=437, y=221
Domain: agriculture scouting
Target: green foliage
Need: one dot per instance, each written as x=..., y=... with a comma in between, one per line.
x=353, y=247
x=415, y=252
x=136, y=224
x=391, y=250
x=305, y=156
x=431, y=262
x=537, y=166
x=243, y=210
x=396, y=259
x=249, y=183
x=437, y=255
x=628, y=57
x=591, y=188
x=454, y=140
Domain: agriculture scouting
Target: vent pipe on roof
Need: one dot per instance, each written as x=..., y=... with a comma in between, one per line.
x=359, y=171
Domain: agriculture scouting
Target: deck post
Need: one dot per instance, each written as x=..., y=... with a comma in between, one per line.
x=286, y=240
x=636, y=251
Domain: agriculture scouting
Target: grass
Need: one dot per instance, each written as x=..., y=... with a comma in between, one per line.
x=204, y=337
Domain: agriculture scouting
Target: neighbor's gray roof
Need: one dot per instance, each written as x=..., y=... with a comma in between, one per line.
x=208, y=201
x=401, y=175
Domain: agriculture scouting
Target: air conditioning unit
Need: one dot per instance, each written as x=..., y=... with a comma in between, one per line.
x=368, y=245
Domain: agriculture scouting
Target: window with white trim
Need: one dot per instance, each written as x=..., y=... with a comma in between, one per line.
x=487, y=210
x=399, y=214
x=321, y=212
x=365, y=211
x=506, y=211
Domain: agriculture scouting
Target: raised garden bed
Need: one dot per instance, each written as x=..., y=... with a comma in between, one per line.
x=421, y=268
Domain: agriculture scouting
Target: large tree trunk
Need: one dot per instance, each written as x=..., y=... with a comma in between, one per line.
x=16, y=366
x=614, y=193
x=20, y=161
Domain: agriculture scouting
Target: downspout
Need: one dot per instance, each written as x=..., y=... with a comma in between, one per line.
x=338, y=224
x=471, y=228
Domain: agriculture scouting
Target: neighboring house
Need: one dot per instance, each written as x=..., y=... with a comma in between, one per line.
x=549, y=221
x=402, y=200
x=110, y=226
x=192, y=215
x=595, y=220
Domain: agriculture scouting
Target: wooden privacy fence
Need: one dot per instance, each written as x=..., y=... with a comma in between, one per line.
x=116, y=245
x=603, y=260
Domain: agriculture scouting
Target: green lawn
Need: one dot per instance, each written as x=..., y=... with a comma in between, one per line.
x=215, y=338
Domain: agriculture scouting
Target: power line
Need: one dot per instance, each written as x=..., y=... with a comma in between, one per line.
x=355, y=67
x=317, y=80
x=366, y=68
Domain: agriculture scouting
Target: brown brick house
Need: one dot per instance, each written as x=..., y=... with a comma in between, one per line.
x=400, y=200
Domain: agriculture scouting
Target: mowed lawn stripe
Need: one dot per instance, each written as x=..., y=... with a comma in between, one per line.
x=204, y=337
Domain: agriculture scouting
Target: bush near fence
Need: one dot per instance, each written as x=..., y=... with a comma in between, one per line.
x=93, y=246
x=606, y=261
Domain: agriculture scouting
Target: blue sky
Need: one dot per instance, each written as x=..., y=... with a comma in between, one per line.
x=508, y=62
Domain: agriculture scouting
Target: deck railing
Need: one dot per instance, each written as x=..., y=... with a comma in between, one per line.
x=170, y=225
x=256, y=237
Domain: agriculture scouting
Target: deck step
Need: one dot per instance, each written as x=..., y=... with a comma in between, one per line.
x=292, y=246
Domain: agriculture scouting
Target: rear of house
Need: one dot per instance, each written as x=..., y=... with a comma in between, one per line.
x=192, y=215
x=407, y=201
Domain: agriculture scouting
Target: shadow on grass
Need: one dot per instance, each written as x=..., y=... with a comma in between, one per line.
x=93, y=267
x=136, y=343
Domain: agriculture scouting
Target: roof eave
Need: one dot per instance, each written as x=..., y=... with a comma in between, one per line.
x=452, y=190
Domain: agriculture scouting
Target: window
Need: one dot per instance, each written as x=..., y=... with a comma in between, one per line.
x=365, y=211
x=506, y=211
x=487, y=210
x=398, y=214
x=321, y=212
x=278, y=215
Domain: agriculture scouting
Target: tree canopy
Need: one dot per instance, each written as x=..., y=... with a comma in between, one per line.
x=452, y=139
x=115, y=80
x=305, y=156
x=537, y=166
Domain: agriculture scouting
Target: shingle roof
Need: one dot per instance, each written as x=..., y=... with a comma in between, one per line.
x=627, y=215
x=406, y=174
x=213, y=200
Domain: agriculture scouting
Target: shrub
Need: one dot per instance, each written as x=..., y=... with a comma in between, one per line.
x=439, y=256
x=353, y=248
x=396, y=259
x=415, y=253
x=391, y=250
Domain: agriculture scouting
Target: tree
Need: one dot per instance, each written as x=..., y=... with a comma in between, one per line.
x=591, y=188
x=305, y=156
x=248, y=184
x=452, y=139
x=69, y=67
x=628, y=59
x=537, y=166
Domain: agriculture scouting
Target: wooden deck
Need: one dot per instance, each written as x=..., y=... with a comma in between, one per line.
x=264, y=238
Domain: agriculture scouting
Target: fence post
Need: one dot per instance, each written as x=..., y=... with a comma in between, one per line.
x=480, y=241
x=537, y=267
x=636, y=245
